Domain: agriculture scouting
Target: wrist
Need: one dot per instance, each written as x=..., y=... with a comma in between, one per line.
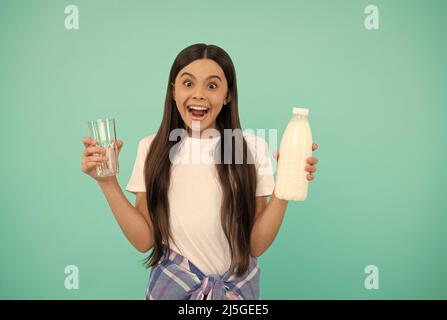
x=107, y=181
x=279, y=201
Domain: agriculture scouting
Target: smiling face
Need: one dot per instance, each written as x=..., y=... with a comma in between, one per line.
x=200, y=90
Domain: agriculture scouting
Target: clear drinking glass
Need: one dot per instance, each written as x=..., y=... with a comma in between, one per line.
x=103, y=130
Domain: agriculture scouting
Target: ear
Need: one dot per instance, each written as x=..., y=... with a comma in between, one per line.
x=172, y=91
x=227, y=99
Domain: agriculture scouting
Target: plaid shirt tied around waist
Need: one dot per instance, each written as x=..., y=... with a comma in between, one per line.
x=177, y=278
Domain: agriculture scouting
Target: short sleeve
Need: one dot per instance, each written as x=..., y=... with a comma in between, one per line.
x=263, y=164
x=136, y=182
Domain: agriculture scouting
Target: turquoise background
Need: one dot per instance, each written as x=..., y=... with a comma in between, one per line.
x=377, y=103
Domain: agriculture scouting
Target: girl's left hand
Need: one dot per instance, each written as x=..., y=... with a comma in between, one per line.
x=312, y=161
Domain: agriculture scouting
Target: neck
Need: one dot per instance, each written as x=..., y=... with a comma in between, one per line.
x=206, y=133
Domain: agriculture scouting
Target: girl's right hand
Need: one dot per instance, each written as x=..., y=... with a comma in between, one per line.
x=94, y=156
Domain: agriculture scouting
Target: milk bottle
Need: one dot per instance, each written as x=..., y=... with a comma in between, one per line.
x=295, y=148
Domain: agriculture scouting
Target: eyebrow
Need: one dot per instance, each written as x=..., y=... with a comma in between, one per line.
x=192, y=76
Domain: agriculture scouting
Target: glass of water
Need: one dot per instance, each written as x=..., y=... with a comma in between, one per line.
x=104, y=131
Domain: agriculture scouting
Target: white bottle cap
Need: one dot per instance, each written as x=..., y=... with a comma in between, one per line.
x=301, y=111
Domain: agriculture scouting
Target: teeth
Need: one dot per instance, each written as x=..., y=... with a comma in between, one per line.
x=197, y=108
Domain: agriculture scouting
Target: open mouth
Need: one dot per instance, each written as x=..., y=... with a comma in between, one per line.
x=197, y=112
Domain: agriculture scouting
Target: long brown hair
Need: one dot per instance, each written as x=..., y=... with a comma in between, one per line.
x=237, y=180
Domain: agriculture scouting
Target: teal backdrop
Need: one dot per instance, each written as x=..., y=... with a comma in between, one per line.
x=377, y=101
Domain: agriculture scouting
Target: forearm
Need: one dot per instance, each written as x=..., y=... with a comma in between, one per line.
x=267, y=225
x=130, y=220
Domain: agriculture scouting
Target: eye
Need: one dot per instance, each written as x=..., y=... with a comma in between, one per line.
x=187, y=83
x=213, y=85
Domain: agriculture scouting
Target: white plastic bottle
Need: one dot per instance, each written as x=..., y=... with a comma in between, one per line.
x=295, y=148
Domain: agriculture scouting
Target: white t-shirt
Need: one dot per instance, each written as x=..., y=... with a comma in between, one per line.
x=195, y=197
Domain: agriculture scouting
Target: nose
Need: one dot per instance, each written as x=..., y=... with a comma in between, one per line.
x=198, y=95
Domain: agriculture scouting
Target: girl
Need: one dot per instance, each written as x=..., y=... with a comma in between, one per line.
x=207, y=221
